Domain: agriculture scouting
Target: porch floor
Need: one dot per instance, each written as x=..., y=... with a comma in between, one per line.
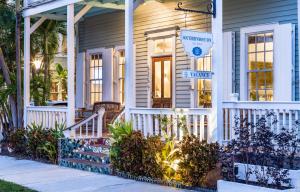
x=44, y=177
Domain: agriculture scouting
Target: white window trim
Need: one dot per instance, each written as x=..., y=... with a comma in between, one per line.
x=116, y=73
x=243, y=55
x=150, y=44
x=87, y=81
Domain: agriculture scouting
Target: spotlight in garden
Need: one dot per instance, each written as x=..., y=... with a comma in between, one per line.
x=37, y=63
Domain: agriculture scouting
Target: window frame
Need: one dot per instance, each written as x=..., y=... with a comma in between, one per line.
x=197, y=81
x=244, y=33
x=90, y=52
x=256, y=71
x=151, y=36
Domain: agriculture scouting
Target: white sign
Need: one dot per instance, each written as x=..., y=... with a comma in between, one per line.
x=197, y=74
x=196, y=44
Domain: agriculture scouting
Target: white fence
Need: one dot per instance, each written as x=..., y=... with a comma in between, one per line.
x=46, y=116
x=285, y=114
x=172, y=122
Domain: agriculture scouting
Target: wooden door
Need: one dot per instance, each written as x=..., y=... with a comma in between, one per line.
x=162, y=82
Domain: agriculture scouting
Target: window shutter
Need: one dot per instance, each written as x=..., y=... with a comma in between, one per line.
x=283, y=62
x=108, y=75
x=228, y=64
x=80, y=80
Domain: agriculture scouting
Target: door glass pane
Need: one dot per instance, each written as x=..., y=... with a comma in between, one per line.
x=167, y=79
x=157, y=79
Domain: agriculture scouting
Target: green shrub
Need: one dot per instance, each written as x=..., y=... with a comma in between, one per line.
x=130, y=158
x=49, y=148
x=37, y=136
x=151, y=168
x=168, y=158
x=197, y=160
x=37, y=142
x=18, y=142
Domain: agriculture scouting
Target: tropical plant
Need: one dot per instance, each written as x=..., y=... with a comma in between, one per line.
x=130, y=152
x=198, y=158
x=36, y=137
x=50, y=150
x=45, y=44
x=61, y=78
x=152, y=146
x=17, y=141
x=168, y=158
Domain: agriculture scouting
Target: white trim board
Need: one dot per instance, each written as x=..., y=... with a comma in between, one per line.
x=29, y=11
x=298, y=6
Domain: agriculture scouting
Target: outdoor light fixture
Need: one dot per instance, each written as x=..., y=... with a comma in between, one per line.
x=37, y=63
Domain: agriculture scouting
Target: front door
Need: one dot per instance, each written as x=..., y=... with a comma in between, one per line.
x=162, y=82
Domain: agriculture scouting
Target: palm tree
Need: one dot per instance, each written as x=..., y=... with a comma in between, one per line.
x=8, y=105
x=45, y=41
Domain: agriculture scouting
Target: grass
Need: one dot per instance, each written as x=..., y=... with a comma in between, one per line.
x=11, y=187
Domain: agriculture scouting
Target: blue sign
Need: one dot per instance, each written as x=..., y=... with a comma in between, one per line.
x=189, y=74
x=196, y=44
x=197, y=51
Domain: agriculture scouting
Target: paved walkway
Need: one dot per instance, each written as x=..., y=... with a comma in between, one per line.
x=51, y=178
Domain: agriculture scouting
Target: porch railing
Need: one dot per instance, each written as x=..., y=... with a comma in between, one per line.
x=171, y=121
x=46, y=116
x=90, y=127
x=284, y=114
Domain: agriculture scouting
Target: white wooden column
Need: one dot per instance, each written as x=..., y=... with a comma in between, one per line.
x=129, y=58
x=26, y=67
x=71, y=64
x=216, y=119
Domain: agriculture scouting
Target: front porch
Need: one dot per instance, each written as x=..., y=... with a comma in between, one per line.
x=142, y=100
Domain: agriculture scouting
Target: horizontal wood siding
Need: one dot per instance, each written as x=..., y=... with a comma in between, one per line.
x=107, y=30
x=243, y=13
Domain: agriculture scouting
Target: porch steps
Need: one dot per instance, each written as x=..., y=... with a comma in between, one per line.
x=86, y=165
x=92, y=155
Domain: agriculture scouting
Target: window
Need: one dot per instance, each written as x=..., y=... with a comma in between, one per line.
x=163, y=46
x=204, y=86
x=96, y=78
x=121, y=65
x=260, y=66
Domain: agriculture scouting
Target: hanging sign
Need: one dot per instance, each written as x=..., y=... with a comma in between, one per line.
x=196, y=44
x=189, y=74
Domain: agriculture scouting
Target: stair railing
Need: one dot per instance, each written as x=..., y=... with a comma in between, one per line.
x=90, y=127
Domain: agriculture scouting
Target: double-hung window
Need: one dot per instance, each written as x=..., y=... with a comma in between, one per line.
x=267, y=55
x=204, y=87
x=260, y=66
x=96, y=77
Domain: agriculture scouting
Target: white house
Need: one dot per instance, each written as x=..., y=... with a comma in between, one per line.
x=131, y=52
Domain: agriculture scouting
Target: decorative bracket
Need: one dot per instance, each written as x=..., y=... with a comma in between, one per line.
x=211, y=9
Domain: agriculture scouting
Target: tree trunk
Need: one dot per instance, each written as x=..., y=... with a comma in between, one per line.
x=12, y=102
x=18, y=64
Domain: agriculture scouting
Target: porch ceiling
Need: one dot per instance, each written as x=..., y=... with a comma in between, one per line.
x=98, y=7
